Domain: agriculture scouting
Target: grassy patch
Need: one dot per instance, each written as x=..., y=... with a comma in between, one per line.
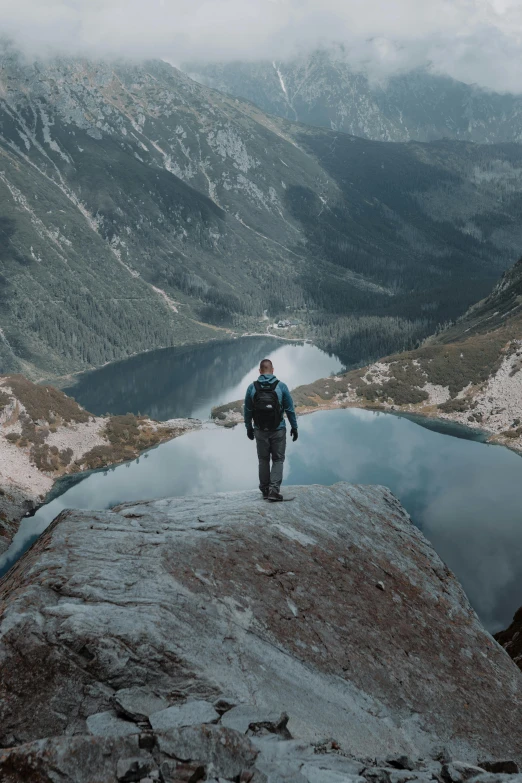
x=401, y=393
x=128, y=436
x=5, y=399
x=458, y=364
x=46, y=403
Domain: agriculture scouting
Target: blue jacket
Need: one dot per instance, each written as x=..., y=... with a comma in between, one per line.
x=285, y=399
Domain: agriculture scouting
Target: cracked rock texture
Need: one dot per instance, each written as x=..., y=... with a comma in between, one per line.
x=269, y=605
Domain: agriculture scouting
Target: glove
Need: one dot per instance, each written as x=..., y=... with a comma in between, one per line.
x=294, y=434
x=250, y=433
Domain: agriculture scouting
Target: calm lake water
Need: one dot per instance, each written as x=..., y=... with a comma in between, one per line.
x=189, y=381
x=463, y=494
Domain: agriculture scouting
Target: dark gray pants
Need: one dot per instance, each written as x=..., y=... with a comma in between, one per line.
x=270, y=443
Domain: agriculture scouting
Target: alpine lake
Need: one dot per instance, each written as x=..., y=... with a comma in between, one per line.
x=461, y=492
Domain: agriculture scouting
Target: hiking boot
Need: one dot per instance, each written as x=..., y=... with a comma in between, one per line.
x=274, y=495
x=265, y=492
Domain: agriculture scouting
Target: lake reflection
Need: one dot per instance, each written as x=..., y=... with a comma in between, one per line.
x=464, y=495
x=189, y=381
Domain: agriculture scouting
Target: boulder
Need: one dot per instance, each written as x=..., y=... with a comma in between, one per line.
x=74, y=760
x=223, y=752
x=245, y=717
x=500, y=767
x=138, y=703
x=107, y=724
x=191, y=713
x=269, y=604
x=458, y=772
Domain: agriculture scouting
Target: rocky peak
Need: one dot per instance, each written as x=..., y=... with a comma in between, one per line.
x=227, y=611
x=323, y=88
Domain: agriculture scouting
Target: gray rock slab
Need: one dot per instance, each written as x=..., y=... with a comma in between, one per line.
x=499, y=766
x=400, y=761
x=401, y=775
x=491, y=777
x=82, y=759
x=133, y=769
x=240, y=718
x=191, y=713
x=138, y=703
x=459, y=771
x=227, y=753
x=271, y=604
x=320, y=773
x=107, y=724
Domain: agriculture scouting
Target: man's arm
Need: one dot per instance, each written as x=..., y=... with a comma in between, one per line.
x=247, y=409
x=288, y=407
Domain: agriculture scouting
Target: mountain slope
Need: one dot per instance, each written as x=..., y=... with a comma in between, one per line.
x=323, y=89
x=470, y=373
x=139, y=209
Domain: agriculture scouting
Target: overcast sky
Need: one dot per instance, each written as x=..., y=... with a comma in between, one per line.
x=473, y=40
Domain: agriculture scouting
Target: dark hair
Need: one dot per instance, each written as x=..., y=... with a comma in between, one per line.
x=265, y=363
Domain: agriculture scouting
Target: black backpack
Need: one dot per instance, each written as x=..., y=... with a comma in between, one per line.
x=267, y=411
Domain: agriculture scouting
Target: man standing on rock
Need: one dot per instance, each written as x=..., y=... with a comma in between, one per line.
x=266, y=402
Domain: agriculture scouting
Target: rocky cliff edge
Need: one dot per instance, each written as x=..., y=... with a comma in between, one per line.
x=44, y=434
x=178, y=614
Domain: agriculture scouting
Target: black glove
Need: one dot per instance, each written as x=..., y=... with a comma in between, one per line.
x=294, y=434
x=250, y=433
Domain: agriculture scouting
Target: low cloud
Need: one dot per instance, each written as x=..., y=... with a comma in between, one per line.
x=473, y=40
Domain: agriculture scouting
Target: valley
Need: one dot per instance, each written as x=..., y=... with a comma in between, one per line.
x=142, y=210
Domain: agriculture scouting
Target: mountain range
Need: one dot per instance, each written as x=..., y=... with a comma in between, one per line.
x=139, y=210
x=324, y=89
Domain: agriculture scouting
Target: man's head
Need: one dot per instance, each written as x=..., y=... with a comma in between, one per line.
x=266, y=367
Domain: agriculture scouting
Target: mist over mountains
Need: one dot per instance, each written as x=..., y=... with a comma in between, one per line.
x=140, y=210
x=325, y=89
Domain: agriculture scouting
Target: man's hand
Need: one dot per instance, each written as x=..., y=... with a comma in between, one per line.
x=294, y=434
x=250, y=433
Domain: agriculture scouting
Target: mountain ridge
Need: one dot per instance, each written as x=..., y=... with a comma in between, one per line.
x=142, y=210
x=323, y=89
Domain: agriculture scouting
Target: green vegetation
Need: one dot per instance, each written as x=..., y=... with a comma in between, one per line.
x=5, y=399
x=50, y=459
x=45, y=403
x=128, y=436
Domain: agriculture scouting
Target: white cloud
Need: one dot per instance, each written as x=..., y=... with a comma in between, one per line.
x=474, y=40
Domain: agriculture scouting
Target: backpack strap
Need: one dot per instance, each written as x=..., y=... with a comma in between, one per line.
x=274, y=385
x=257, y=386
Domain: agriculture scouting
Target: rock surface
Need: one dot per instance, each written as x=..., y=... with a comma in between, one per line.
x=273, y=607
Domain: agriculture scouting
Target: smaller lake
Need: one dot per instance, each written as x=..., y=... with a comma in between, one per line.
x=189, y=381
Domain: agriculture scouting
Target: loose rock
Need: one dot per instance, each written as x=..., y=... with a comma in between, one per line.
x=500, y=767
x=132, y=770
x=138, y=703
x=107, y=724
x=191, y=713
x=459, y=771
x=226, y=753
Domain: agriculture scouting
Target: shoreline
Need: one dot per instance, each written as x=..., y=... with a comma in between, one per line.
x=69, y=380
x=480, y=434
x=45, y=435
x=233, y=417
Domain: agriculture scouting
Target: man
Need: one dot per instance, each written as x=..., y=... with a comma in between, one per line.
x=266, y=402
